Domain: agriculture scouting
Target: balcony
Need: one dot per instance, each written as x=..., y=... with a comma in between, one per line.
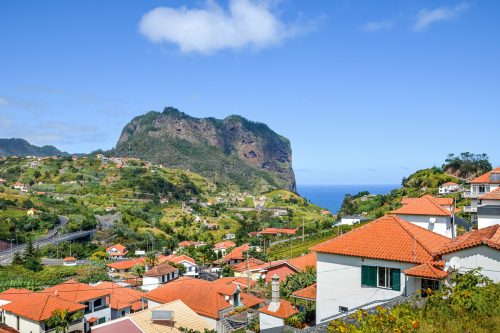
x=472, y=195
x=470, y=209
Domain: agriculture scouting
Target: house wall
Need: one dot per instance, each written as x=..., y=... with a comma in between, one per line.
x=442, y=225
x=484, y=221
x=345, y=221
x=269, y=323
x=118, y=313
x=25, y=325
x=479, y=256
x=150, y=283
x=487, y=202
x=339, y=284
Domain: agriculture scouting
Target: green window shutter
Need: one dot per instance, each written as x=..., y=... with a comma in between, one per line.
x=396, y=279
x=368, y=276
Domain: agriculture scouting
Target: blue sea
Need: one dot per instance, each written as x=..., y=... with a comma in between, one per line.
x=331, y=196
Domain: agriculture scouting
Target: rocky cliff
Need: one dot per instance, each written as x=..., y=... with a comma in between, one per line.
x=233, y=151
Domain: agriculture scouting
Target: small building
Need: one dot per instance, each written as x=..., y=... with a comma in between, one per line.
x=448, y=188
x=186, y=261
x=488, y=210
x=117, y=252
x=158, y=275
x=230, y=236
x=237, y=255
x=272, y=317
x=124, y=300
x=221, y=248
x=69, y=261
x=351, y=219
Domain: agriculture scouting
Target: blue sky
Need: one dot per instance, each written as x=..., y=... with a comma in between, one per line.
x=367, y=91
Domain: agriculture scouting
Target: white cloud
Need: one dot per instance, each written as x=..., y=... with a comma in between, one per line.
x=375, y=26
x=426, y=17
x=246, y=23
x=3, y=101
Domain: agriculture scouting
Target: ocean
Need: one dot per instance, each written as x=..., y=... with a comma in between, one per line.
x=331, y=196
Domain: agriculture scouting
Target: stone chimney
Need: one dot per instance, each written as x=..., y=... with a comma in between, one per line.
x=275, y=294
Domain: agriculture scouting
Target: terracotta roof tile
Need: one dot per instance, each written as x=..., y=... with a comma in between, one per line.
x=238, y=281
x=308, y=292
x=304, y=261
x=449, y=184
x=284, y=311
x=275, y=231
x=485, y=178
x=74, y=291
x=69, y=259
x=121, y=297
x=489, y=236
x=493, y=195
x=161, y=269
x=238, y=253
x=250, y=300
x=177, y=259
x=224, y=245
x=250, y=264
x=426, y=205
x=39, y=306
x=388, y=238
x=122, y=250
x=426, y=270
x=127, y=264
x=12, y=294
x=7, y=329
x=440, y=201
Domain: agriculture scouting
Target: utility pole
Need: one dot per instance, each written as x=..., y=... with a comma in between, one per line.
x=302, y=229
x=248, y=273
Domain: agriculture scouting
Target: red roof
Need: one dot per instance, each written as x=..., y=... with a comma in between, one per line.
x=188, y=243
x=177, y=259
x=121, y=297
x=248, y=265
x=40, y=306
x=449, y=184
x=426, y=270
x=426, y=205
x=284, y=311
x=238, y=281
x=275, y=231
x=308, y=292
x=69, y=259
x=387, y=238
x=224, y=245
x=122, y=250
x=485, y=179
x=440, y=201
x=493, y=195
x=238, y=253
x=161, y=269
x=74, y=291
x=127, y=264
x=304, y=261
x=12, y=294
x=7, y=329
x=489, y=236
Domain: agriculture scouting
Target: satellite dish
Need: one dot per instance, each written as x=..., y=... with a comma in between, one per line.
x=432, y=220
x=455, y=263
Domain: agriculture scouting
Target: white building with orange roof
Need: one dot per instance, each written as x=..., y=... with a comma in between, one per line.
x=367, y=265
x=448, y=187
x=221, y=248
x=124, y=300
x=272, y=316
x=480, y=186
x=117, y=251
x=184, y=260
x=434, y=214
x=158, y=275
x=488, y=209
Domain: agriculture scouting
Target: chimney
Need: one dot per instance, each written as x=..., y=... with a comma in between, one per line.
x=275, y=294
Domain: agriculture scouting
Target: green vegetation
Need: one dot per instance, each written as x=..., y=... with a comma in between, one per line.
x=61, y=319
x=467, y=165
x=471, y=303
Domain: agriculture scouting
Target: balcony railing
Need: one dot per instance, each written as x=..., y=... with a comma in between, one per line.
x=470, y=209
x=472, y=195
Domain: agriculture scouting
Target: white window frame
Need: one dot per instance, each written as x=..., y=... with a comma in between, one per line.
x=387, y=273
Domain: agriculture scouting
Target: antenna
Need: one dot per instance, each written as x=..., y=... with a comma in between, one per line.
x=455, y=263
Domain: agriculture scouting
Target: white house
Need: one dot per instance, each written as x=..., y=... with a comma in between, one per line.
x=186, y=261
x=367, y=265
x=351, y=219
x=429, y=213
x=158, y=275
x=480, y=186
x=272, y=316
x=448, y=188
x=221, y=248
x=117, y=252
x=488, y=209
x=475, y=249
x=69, y=261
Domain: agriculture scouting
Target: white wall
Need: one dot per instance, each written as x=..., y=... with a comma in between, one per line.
x=442, y=225
x=484, y=221
x=339, y=284
x=487, y=202
x=479, y=256
x=150, y=283
x=267, y=322
x=348, y=221
x=25, y=325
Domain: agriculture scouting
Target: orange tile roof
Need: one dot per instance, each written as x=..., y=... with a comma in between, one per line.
x=493, y=195
x=161, y=269
x=224, y=245
x=250, y=300
x=308, y=292
x=489, y=236
x=127, y=264
x=284, y=311
x=485, y=178
x=74, y=291
x=425, y=270
x=39, y=306
x=250, y=264
x=440, y=201
x=12, y=294
x=426, y=205
x=69, y=259
x=304, y=261
x=122, y=250
x=275, y=231
x=387, y=238
x=238, y=253
x=121, y=297
x=203, y=297
x=177, y=259
x=449, y=184
x=7, y=329
x=238, y=281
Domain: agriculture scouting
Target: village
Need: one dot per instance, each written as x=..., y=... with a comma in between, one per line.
x=411, y=251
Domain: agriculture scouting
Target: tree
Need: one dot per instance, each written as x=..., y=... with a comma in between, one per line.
x=61, y=319
x=226, y=271
x=17, y=259
x=138, y=270
x=297, y=281
x=99, y=256
x=151, y=260
x=31, y=257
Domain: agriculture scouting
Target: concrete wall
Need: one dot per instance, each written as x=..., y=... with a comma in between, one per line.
x=270, y=324
x=339, y=284
x=442, y=225
x=484, y=221
x=479, y=256
x=25, y=325
x=150, y=283
x=118, y=313
x=348, y=221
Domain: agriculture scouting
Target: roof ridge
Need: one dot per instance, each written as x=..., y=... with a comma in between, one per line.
x=432, y=200
x=400, y=220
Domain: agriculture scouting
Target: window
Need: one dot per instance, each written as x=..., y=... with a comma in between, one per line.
x=97, y=302
x=87, y=307
x=428, y=284
x=123, y=313
x=343, y=309
x=102, y=320
x=382, y=277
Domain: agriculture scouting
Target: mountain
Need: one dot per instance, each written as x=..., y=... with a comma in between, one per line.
x=233, y=151
x=21, y=147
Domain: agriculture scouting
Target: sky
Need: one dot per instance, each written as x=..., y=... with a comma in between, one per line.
x=366, y=91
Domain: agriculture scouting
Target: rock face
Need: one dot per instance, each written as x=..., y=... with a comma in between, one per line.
x=232, y=151
x=21, y=148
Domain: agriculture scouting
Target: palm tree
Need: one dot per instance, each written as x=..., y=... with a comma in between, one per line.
x=61, y=319
x=151, y=260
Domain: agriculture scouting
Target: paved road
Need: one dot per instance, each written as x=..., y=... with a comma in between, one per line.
x=6, y=255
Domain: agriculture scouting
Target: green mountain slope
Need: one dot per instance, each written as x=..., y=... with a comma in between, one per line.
x=234, y=151
x=21, y=147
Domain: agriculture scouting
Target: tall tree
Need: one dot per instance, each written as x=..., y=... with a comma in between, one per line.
x=61, y=319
